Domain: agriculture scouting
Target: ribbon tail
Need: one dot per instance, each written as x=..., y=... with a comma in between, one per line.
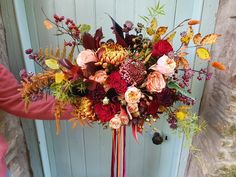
x=113, y=153
x=118, y=154
x=134, y=132
x=124, y=151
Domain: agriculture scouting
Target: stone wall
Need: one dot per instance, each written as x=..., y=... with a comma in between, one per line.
x=10, y=127
x=218, y=144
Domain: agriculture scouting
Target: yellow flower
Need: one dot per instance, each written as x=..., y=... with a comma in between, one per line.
x=180, y=115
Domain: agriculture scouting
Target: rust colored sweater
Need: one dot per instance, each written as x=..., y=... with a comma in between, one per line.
x=11, y=101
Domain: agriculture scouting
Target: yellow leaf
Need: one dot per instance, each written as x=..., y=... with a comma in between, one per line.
x=190, y=32
x=150, y=31
x=154, y=23
x=210, y=39
x=156, y=38
x=47, y=24
x=203, y=53
x=59, y=77
x=161, y=30
x=171, y=37
x=194, y=22
x=197, y=39
x=52, y=63
x=186, y=39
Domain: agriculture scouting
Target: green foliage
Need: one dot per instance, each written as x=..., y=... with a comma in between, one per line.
x=84, y=28
x=190, y=126
x=174, y=85
x=154, y=12
x=64, y=91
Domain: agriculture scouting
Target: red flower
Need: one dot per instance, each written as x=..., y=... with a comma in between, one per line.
x=106, y=112
x=160, y=48
x=153, y=107
x=115, y=81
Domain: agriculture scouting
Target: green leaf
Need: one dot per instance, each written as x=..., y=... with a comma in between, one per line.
x=52, y=63
x=84, y=28
x=173, y=85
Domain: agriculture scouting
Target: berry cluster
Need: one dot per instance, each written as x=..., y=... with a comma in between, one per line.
x=71, y=28
x=186, y=100
x=172, y=122
x=58, y=19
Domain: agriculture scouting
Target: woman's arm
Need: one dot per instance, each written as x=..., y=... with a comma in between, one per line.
x=11, y=101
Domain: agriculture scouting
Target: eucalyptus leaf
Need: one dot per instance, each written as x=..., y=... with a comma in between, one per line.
x=173, y=85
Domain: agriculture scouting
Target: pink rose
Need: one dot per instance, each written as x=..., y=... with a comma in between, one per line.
x=85, y=57
x=165, y=66
x=100, y=76
x=155, y=82
x=132, y=95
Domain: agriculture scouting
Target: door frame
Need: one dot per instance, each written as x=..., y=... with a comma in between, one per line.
x=19, y=6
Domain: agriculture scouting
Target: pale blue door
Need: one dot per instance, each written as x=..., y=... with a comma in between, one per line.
x=86, y=152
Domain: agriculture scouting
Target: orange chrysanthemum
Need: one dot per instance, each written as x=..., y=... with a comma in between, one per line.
x=218, y=65
x=111, y=53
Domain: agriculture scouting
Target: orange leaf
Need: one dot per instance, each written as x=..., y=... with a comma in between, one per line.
x=210, y=39
x=197, y=39
x=161, y=30
x=47, y=24
x=218, y=65
x=183, y=62
x=171, y=37
x=194, y=22
x=183, y=54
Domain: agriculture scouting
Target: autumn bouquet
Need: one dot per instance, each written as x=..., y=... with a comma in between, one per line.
x=131, y=81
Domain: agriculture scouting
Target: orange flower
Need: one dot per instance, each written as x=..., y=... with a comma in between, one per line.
x=218, y=65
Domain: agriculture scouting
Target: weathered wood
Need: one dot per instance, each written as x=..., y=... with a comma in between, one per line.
x=217, y=145
x=10, y=127
x=22, y=163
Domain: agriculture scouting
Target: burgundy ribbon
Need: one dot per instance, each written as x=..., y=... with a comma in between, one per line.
x=118, y=155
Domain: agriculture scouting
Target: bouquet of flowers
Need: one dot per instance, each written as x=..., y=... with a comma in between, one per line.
x=131, y=81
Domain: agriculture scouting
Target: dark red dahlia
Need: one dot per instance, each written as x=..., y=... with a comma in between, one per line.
x=167, y=97
x=115, y=81
x=106, y=112
x=160, y=48
x=152, y=108
x=133, y=71
x=98, y=94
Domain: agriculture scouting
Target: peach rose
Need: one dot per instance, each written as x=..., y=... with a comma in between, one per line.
x=85, y=57
x=115, y=122
x=100, y=76
x=165, y=66
x=132, y=95
x=133, y=108
x=124, y=116
x=155, y=82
